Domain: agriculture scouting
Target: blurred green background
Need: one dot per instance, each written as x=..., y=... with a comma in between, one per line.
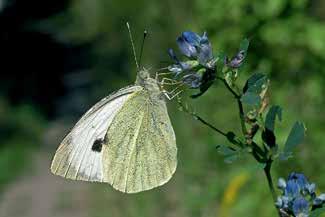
x=59, y=57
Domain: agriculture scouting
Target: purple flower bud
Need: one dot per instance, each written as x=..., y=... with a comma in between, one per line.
x=236, y=61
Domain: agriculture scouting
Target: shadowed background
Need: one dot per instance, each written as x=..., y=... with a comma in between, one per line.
x=60, y=57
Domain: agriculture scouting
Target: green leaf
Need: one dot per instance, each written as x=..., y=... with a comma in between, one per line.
x=269, y=138
x=230, y=154
x=295, y=138
x=250, y=98
x=317, y=212
x=244, y=45
x=274, y=111
x=259, y=85
x=256, y=83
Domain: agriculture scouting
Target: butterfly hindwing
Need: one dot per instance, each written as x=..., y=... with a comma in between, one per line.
x=140, y=146
x=80, y=155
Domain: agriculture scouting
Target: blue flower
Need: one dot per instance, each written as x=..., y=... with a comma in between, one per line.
x=319, y=200
x=299, y=178
x=196, y=47
x=300, y=207
x=282, y=202
x=298, y=195
x=198, y=71
x=282, y=183
x=180, y=67
x=188, y=43
x=310, y=188
x=292, y=189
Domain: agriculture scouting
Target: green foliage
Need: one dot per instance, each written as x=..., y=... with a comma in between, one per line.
x=254, y=90
x=286, y=43
x=244, y=45
x=295, y=138
x=250, y=98
x=20, y=131
x=274, y=111
x=230, y=154
x=286, y=37
x=317, y=212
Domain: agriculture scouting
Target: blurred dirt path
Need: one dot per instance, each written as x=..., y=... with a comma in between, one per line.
x=38, y=193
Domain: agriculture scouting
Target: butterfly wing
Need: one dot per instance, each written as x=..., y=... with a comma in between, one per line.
x=80, y=155
x=140, y=150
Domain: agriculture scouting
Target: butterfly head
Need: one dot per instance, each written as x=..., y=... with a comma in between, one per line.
x=142, y=76
x=144, y=80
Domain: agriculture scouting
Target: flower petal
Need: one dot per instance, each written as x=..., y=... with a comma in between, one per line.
x=319, y=200
x=279, y=202
x=281, y=183
x=300, y=206
x=236, y=61
x=299, y=178
x=292, y=189
x=186, y=48
x=172, y=55
x=192, y=38
x=204, y=39
x=205, y=54
x=310, y=188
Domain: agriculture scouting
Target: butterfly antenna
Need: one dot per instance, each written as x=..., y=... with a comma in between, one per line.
x=133, y=48
x=145, y=33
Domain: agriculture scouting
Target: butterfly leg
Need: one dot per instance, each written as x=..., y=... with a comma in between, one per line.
x=172, y=94
x=169, y=81
x=162, y=74
x=170, y=97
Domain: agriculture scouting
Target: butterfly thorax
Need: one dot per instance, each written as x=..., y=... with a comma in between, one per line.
x=148, y=83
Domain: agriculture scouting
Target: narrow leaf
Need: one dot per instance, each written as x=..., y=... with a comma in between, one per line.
x=254, y=80
x=295, y=138
x=230, y=154
x=269, y=138
x=275, y=111
x=244, y=45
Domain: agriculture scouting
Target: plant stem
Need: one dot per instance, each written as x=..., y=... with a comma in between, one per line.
x=209, y=125
x=236, y=95
x=240, y=105
x=197, y=117
x=267, y=171
x=257, y=152
x=242, y=117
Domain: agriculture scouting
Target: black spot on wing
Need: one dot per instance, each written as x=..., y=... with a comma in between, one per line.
x=97, y=145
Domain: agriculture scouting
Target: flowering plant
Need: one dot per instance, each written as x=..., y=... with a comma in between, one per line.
x=199, y=69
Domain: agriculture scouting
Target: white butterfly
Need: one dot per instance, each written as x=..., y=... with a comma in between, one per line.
x=126, y=140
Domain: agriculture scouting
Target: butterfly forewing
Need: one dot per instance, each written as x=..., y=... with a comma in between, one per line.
x=140, y=150
x=80, y=155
